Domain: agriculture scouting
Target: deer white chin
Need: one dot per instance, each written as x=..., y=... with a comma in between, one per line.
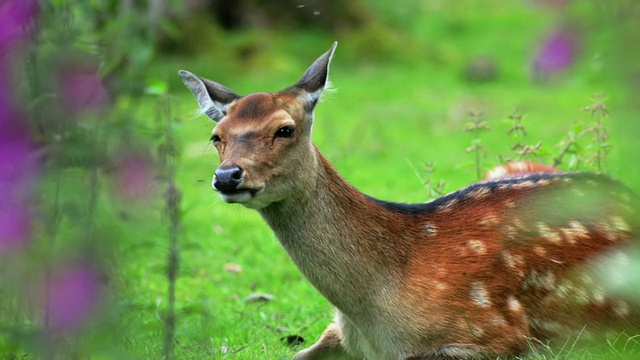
x=247, y=197
x=240, y=196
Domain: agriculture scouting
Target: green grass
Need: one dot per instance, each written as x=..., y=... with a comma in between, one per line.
x=379, y=128
x=384, y=122
x=397, y=106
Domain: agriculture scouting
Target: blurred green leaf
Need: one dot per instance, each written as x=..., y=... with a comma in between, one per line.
x=156, y=87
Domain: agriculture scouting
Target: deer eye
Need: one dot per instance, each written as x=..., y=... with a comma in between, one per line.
x=215, y=138
x=285, y=131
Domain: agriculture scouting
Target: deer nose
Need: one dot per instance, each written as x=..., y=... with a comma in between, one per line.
x=228, y=178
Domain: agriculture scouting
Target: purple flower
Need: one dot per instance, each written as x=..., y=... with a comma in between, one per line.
x=17, y=167
x=15, y=18
x=17, y=174
x=81, y=89
x=72, y=296
x=15, y=228
x=557, y=53
x=135, y=175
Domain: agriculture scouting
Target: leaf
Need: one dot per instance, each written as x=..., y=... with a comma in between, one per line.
x=156, y=87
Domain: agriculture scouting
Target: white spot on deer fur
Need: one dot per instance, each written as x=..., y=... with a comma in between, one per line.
x=479, y=295
x=509, y=203
x=586, y=279
x=619, y=224
x=547, y=233
x=541, y=281
x=508, y=259
x=489, y=219
x=543, y=182
x=579, y=229
x=581, y=296
x=448, y=205
x=620, y=308
x=479, y=193
x=513, y=261
x=548, y=280
x=607, y=230
x=477, y=247
x=598, y=296
x=497, y=320
x=540, y=251
x=519, y=224
x=513, y=304
x=563, y=291
x=509, y=231
x=568, y=235
x=477, y=331
x=430, y=229
x=528, y=184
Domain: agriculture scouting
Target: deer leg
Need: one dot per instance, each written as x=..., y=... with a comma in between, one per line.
x=328, y=347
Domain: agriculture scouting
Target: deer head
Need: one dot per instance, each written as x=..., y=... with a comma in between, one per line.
x=263, y=139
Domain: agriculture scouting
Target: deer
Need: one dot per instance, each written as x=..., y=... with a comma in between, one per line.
x=481, y=272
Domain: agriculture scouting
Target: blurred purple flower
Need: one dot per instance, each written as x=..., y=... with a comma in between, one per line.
x=17, y=174
x=17, y=163
x=135, y=175
x=81, y=89
x=72, y=296
x=17, y=166
x=15, y=228
x=15, y=18
x=557, y=53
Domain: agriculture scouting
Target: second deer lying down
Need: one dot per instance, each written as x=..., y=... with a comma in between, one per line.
x=477, y=273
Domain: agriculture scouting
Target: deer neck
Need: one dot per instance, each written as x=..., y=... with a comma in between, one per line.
x=338, y=238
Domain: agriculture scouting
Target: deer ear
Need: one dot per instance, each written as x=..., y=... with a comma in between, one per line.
x=315, y=79
x=212, y=97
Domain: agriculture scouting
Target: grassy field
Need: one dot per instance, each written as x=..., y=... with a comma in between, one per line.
x=401, y=100
x=386, y=119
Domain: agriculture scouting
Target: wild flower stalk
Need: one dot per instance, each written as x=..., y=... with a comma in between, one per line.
x=518, y=132
x=571, y=144
x=600, y=133
x=477, y=126
x=433, y=190
x=168, y=156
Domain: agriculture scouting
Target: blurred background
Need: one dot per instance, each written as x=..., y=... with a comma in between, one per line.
x=114, y=245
